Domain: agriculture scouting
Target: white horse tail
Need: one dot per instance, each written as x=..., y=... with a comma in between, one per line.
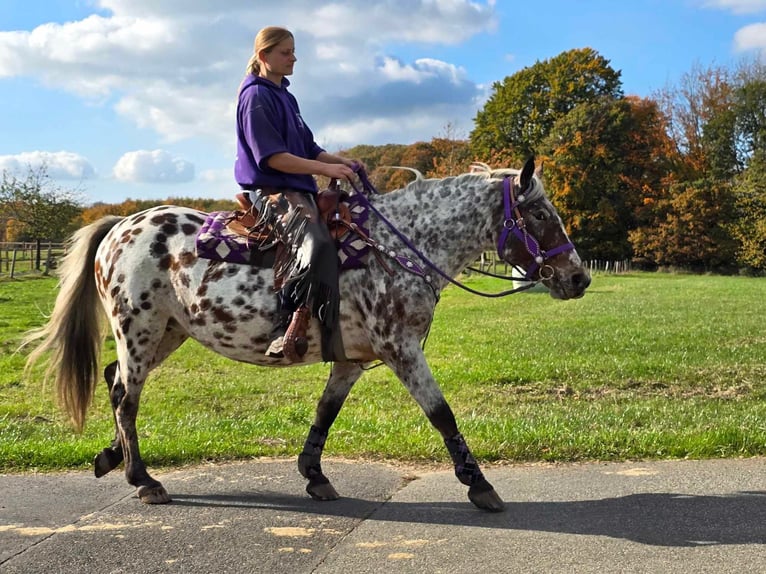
x=73, y=333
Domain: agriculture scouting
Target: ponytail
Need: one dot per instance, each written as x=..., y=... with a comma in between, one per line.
x=253, y=65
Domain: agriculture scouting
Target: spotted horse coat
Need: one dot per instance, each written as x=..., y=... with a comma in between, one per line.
x=156, y=293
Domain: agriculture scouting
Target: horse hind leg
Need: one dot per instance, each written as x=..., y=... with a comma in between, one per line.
x=109, y=458
x=342, y=378
x=142, y=343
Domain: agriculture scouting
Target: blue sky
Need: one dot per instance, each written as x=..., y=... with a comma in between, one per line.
x=136, y=98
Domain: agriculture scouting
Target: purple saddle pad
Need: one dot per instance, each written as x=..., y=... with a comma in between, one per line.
x=215, y=241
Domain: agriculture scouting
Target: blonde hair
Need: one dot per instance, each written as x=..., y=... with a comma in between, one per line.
x=266, y=39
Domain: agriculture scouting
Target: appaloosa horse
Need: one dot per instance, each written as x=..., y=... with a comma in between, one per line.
x=156, y=292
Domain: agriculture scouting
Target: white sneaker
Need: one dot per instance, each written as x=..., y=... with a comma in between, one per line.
x=276, y=348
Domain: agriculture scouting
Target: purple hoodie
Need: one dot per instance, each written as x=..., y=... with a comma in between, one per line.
x=269, y=122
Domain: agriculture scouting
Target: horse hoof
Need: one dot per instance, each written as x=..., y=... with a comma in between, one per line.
x=486, y=499
x=153, y=495
x=322, y=491
x=106, y=461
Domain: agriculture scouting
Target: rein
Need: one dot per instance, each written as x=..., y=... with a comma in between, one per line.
x=511, y=205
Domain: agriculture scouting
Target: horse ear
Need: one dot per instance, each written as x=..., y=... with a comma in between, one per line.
x=526, y=173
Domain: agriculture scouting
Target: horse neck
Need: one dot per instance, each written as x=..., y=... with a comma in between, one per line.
x=450, y=221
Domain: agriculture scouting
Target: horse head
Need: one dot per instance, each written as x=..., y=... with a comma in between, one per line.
x=533, y=237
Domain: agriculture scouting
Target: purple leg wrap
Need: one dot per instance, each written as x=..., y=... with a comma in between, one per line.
x=309, y=461
x=466, y=467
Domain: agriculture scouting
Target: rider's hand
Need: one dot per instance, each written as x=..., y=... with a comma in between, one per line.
x=338, y=171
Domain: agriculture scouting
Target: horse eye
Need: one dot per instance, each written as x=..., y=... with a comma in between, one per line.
x=540, y=215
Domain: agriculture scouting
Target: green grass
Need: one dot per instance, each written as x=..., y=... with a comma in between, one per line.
x=644, y=366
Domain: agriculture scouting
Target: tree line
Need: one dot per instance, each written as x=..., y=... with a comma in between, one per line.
x=674, y=180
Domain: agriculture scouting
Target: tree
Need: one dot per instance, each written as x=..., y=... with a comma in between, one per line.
x=749, y=226
x=451, y=157
x=44, y=210
x=701, y=122
x=523, y=109
x=451, y=153
x=690, y=229
x=750, y=114
x=603, y=162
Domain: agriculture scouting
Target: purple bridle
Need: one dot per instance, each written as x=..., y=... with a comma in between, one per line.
x=511, y=206
x=517, y=226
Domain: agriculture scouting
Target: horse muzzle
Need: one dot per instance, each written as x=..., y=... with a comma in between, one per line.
x=568, y=285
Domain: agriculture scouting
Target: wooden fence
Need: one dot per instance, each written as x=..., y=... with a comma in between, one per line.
x=21, y=258
x=489, y=261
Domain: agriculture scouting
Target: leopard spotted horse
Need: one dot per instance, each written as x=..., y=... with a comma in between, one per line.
x=142, y=273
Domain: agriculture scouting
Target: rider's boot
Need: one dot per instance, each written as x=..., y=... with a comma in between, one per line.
x=277, y=336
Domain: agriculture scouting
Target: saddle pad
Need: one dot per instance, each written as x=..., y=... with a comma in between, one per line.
x=215, y=241
x=352, y=250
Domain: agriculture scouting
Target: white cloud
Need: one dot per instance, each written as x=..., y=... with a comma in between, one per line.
x=737, y=6
x=156, y=166
x=59, y=165
x=752, y=37
x=401, y=129
x=218, y=176
x=174, y=66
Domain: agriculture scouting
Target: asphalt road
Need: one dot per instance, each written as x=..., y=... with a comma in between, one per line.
x=252, y=517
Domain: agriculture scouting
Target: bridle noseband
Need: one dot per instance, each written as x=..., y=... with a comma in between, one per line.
x=517, y=226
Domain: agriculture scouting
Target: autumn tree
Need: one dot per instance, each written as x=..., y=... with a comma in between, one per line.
x=603, y=161
x=524, y=107
x=717, y=119
x=749, y=224
x=701, y=122
x=131, y=206
x=451, y=153
x=451, y=157
x=44, y=210
x=748, y=228
x=750, y=113
x=690, y=229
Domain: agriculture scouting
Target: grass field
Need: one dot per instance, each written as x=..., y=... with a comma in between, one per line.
x=644, y=366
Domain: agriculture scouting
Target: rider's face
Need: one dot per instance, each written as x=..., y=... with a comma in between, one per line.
x=279, y=61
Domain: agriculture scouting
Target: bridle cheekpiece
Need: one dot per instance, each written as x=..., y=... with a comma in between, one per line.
x=513, y=223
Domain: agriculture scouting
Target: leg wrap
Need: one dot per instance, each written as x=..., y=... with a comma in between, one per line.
x=466, y=467
x=309, y=461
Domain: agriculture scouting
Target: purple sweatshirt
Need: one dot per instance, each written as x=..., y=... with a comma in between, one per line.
x=269, y=122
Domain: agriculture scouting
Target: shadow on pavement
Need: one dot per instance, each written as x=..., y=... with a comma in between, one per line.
x=661, y=519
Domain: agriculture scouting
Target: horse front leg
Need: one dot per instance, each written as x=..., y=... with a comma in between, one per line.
x=342, y=378
x=409, y=364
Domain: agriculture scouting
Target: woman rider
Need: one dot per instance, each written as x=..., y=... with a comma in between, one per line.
x=277, y=158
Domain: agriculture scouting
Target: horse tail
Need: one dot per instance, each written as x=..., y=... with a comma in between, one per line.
x=73, y=333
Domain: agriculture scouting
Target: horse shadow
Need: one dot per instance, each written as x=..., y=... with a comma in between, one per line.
x=658, y=519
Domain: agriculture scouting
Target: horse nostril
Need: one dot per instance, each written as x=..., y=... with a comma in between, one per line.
x=581, y=280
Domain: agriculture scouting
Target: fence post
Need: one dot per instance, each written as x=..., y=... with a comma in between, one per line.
x=13, y=264
x=48, y=255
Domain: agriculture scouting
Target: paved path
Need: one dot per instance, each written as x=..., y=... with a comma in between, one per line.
x=252, y=517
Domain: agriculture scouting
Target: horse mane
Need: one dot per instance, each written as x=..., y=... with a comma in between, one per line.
x=478, y=170
x=418, y=175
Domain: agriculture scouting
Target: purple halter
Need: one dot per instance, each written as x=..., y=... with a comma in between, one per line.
x=518, y=227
